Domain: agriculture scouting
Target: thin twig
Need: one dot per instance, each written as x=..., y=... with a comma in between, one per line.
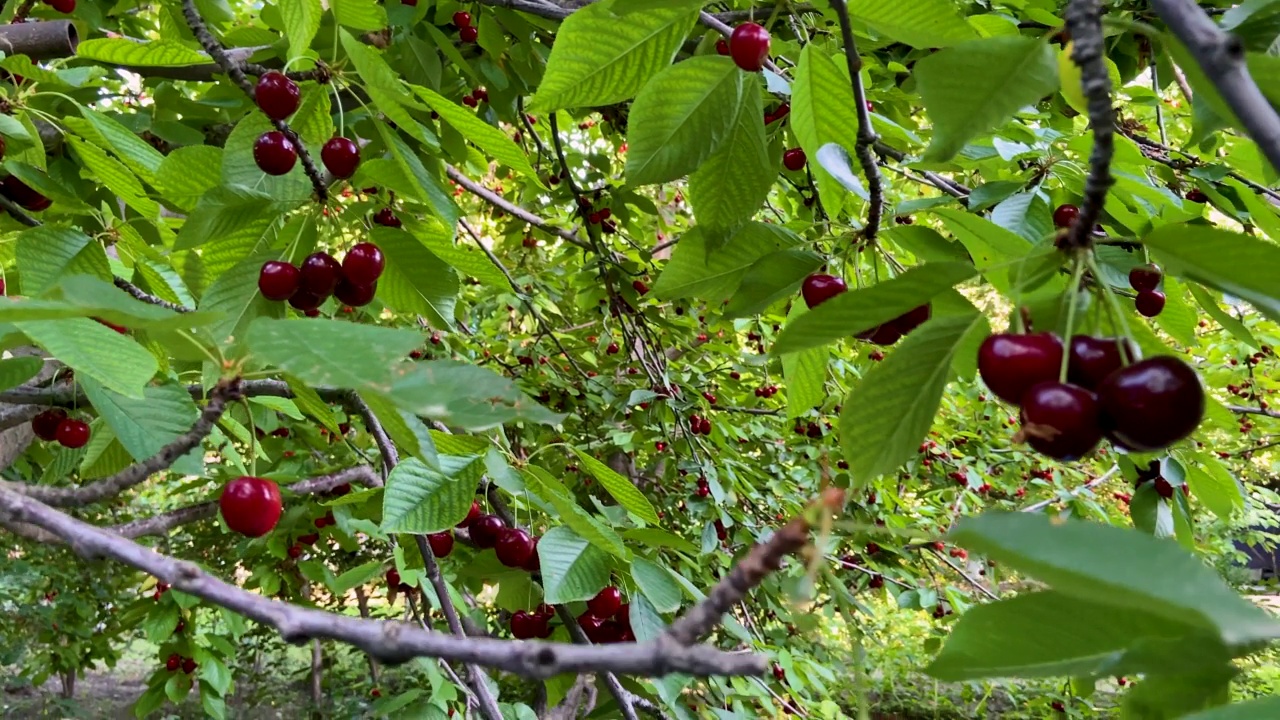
x=1084, y=21
x=866, y=134
x=512, y=209
x=1038, y=506
x=960, y=571
x=139, y=294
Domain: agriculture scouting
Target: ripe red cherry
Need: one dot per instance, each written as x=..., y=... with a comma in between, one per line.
x=24, y=195
x=441, y=543
x=886, y=334
x=348, y=293
x=722, y=47
x=779, y=673
x=468, y=34
x=1093, y=359
x=1151, y=404
x=513, y=547
x=173, y=662
x=387, y=218
x=1064, y=215
x=1197, y=195
x=462, y=19
x=278, y=280
x=363, y=264
x=1011, y=364
x=749, y=46
x=320, y=274
x=485, y=531
x=1149, y=303
x=819, y=288
x=534, y=563
x=277, y=95
x=45, y=425
x=73, y=433
x=1061, y=420
x=606, y=602
x=472, y=515
x=794, y=159
x=341, y=157
x=274, y=153
x=251, y=505
x=188, y=665
x=591, y=625
x=306, y=302
x=63, y=6
x=913, y=318
x=1145, y=277
x=393, y=578
x=523, y=625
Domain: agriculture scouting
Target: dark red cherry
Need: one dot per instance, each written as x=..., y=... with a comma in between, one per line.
x=441, y=543
x=45, y=425
x=306, y=302
x=462, y=19
x=722, y=47
x=591, y=625
x=1197, y=195
x=341, y=157
x=485, y=531
x=65, y=7
x=24, y=194
x=1149, y=303
x=1094, y=358
x=513, y=547
x=523, y=625
x=1011, y=364
x=794, y=159
x=1060, y=420
x=886, y=334
x=387, y=218
x=278, y=280
x=73, y=433
x=320, y=274
x=819, y=288
x=606, y=602
x=1151, y=404
x=1064, y=215
x=277, y=95
x=363, y=264
x=1145, y=277
x=274, y=153
x=468, y=34
x=749, y=46
x=472, y=515
x=534, y=563
x=348, y=293
x=913, y=318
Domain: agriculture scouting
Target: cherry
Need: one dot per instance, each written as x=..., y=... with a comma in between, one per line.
x=612, y=349
x=441, y=543
x=886, y=334
x=277, y=95
x=468, y=34
x=274, y=153
x=1065, y=215
x=173, y=663
x=1060, y=420
x=606, y=602
x=73, y=433
x=387, y=218
x=524, y=626
x=485, y=531
x=1093, y=359
x=1145, y=277
x=640, y=287
x=307, y=302
x=250, y=505
x=513, y=547
x=320, y=274
x=341, y=156
x=462, y=19
x=534, y=563
x=45, y=425
x=278, y=280
x=819, y=288
x=349, y=293
x=309, y=539
x=794, y=159
x=591, y=625
x=1151, y=404
x=1011, y=364
x=1149, y=303
x=749, y=46
x=295, y=551
x=779, y=673
x=1196, y=195
x=24, y=195
x=363, y=264
x=722, y=47
x=472, y=515
x=1163, y=488
x=913, y=318
x=393, y=578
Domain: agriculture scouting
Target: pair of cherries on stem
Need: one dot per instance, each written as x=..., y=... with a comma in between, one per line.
x=820, y=287
x=274, y=152
x=54, y=425
x=354, y=282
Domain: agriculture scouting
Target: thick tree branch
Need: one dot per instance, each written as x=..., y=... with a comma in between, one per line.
x=866, y=134
x=45, y=40
x=1084, y=21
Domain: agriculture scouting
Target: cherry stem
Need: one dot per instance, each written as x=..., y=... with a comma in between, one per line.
x=253, y=439
x=1117, y=312
x=1073, y=298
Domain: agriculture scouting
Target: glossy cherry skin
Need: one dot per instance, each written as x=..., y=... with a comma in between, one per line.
x=886, y=334
x=462, y=19
x=1060, y=420
x=1149, y=303
x=320, y=274
x=913, y=318
x=188, y=665
x=524, y=626
x=472, y=515
x=45, y=425
x=1064, y=215
x=387, y=218
x=65, y=7
x=278, y=280
x=819, y=288
x=534, y=563
x=1196, y=195
x=277, y=95
x=251, y=505
x=1151, y=404
x=441, y=543
x=606, y=602
x=24, y=195
x=1094, y=358
x=393, y=578
x=73, y=433
x=274, y=153
x=468, y=34
x=363, y=264
x=722, y=47
x=485, y=531
x=341, y=157
x=749, y=46
x=513, y=547
x=794, y=159
x=306, y=302
x=1011, y=364
x=1145, y=277
x=591, y=625
x=173, y=662
x=349, y=293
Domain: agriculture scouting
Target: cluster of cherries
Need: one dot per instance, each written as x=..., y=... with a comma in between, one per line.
x=596, y=622
x=528, y=625
x=699, y=425
x=274, y=151
x=176, y=661
x=354, y=282
x=1140, y=405
x=1145, y=279
x=820, y=287
x=54, y=425
x=515, y=547
x=466, y=31
x=748, y=45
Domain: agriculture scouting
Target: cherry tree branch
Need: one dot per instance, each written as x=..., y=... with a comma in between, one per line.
x=512, y=209
x=866, y=134
x=1084, y=21
x=139, y=294
x=1038, y=506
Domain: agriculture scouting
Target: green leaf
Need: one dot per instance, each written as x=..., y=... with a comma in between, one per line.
x=45, y=253
x=975, y=87
x=426, y=188
x=462, y=395
x=333, y=353
x=309, y=402
x=188, y=173
x=141, y=158
x=239, y=169
x=735, y=180
x=1212, y=483
x=421, y=500
x=301, y=23
x=99, y=298
x=822, y=112
x=600, y=59
x=712, y=275
x=359, y=14
x=656, y=584
x=619, y=487
x=145, y=425
x=467, y=259
x=918, y=23
x=1232, y=325
x=485, y=136
x=805, y=373
x=374, y=70
x=857, y=311
x=235, y=296
x=572, y=568
x=658, y=538
x=1261, y=709
x=160, y=53
x=16, y=370
x=542, y=485
x=94, y=350
x=892, y=407
x=681, y=117
x=1115, y=566
x=228, y=215
x=770, y=279
x=406, y=431
x=114, y=176
x=1239, y=265
x=415, y=281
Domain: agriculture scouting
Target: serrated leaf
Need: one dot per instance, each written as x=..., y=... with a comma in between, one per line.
x=1240, y=265
x=141, y=158
x=572, y=568
x=333, y=353
x=656, y=584
x=1213, y=484
x=310, y=402
x=712, y=275
x=45, y=254
x=465, y=396
x=405, y=430
x=187, y=173
x=600, y=59
x=619, y=487
x=89, y=296
x=301, y=23
x=972, y=88
x=681, y=117
x=1232, y=325
x=468, y=260
x=892, y=407
x=16, y=370
x=918, y=23
x=145, y=425
x=805, y=373
x=419, y=499
x=735, y=180
x=234, y=295
x=313, y=121
x=488, y=138
x=359, y=14
x=823, y=112
x=94, y=350
x=425, y=188
x=770, y=279
x=415, y=281
x=542, y=485
x=228, y=215
x=159, y=53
